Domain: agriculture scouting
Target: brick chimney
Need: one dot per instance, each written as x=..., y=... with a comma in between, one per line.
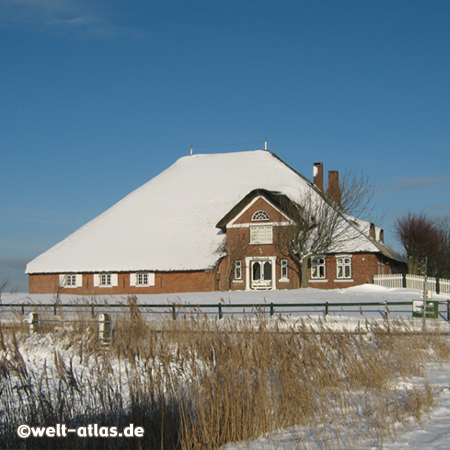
x=318, y=175
x=333, y=186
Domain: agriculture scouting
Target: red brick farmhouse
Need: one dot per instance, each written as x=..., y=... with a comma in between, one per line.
x=208, y=222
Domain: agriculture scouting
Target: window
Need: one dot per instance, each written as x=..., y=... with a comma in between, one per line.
x=142, y=279
x=343, y=267
x=261, y=234
x=70, y=280
x=105, y=279
x=318, y=267
x=260, y=215
x=238, y=270
x=284, y=269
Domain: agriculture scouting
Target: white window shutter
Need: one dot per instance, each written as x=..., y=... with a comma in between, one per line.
x=62, y=280
x=79, y=280
x=132, y=279
x=151, y=279
x=96, y=279
x=114, y=279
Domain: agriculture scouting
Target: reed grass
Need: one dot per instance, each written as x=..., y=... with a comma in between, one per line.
x=199, y=383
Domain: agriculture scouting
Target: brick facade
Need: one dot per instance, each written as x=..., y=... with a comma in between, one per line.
x=165, y=283
x=261, y=264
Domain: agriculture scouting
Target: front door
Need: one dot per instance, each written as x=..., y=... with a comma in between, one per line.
x=261, y=272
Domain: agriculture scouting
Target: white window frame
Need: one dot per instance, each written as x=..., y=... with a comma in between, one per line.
x=284, y=274
x=238, y=270
x=248, y=264
x=71, y=280
x=318, y=261
x=261, y=234
x=260, y=215
x=344, y=261
x=105, y=279
x=142, y=279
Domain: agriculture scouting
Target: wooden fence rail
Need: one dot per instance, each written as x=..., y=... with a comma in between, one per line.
x=175, y=309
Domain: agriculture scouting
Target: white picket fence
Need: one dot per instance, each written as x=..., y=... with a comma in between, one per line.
x=412, y=282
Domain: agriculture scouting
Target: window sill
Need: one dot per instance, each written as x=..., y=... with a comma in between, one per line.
x=318, y=280
x=344, y=280
x=237, y=281
x=284, y=280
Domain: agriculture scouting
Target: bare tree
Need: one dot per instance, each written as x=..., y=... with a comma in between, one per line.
x=234, y=248
x=324, y=222
x=424, y=237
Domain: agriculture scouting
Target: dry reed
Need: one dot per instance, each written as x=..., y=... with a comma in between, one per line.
x=199, y=383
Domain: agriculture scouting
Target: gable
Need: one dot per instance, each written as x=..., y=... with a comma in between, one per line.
x=264, y=208
x=256, y=200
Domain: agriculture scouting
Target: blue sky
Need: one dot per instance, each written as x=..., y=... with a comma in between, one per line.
x=98, y=97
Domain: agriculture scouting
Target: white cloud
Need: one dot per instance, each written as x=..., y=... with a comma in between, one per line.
x=406, y=183
x=87, y=19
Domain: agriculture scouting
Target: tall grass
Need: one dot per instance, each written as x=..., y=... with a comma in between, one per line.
x=197, y=383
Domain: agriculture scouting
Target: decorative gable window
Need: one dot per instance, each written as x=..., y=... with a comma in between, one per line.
x=105, y=279
x=71, y=280
x=260, y=215
x=318, y=267
x=260, y=234
x=344, y=267
x=142, y=279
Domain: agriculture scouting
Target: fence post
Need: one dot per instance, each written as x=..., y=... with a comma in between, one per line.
x=438, y=286
x=54, y=309
x=404, y=280
x=174, y=312
x=104, y=329
x=326, y=308
x=33, y=321
x=271, y=309
x=92, y=310
x=448, y=309
x=386, y=311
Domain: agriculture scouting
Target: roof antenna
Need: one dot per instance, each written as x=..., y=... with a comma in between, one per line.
x=265, y=144
x=192, y=149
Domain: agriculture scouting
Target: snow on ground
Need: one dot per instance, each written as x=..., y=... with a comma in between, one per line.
x=432, y=433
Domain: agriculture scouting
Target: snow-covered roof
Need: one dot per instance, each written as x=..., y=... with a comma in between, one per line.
x=169, y=223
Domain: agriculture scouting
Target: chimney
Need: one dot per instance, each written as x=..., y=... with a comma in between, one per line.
x=318, y=175
x=333, y=186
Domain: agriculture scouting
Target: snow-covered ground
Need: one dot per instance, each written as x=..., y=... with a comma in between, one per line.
x=434, y=430
x=432, y=433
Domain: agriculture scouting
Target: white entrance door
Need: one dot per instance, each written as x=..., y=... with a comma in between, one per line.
x=261, y=273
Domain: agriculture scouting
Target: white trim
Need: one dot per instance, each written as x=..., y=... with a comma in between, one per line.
x=286, y=278
x=78, y=280
x=248, y=261
x=114, y=280
x=150, y=279
x=231, y=223
x=255, y=224
x=344, y=255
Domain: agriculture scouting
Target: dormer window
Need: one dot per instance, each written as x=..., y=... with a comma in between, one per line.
x=260, y=215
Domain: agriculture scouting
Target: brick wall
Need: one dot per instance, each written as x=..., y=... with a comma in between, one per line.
x=165, y=282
